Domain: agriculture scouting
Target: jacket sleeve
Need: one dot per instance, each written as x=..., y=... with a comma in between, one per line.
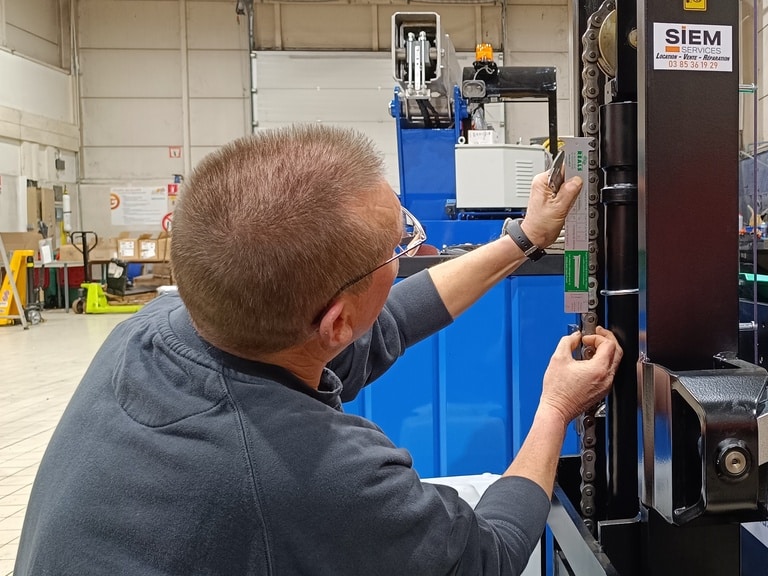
x=412, y=312
x=445, y=536
x=384, y=520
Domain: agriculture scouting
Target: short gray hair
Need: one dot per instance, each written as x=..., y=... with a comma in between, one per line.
x=269, y=227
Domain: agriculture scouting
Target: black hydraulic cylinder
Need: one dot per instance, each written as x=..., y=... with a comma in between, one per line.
x=618, y=160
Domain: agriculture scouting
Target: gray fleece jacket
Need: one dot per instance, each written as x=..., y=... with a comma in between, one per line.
x=174, y=457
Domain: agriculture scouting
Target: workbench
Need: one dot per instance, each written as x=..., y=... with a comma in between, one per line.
x=64, y=265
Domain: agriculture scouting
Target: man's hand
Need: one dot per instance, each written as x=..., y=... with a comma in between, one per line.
x=572, y=386
x=546, y=212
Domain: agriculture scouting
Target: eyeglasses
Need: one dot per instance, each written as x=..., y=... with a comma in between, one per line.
x=413, y=237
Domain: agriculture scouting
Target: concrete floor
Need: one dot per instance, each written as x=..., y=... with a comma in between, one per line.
x=39, y=370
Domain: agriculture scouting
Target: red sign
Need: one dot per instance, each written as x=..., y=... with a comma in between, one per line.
x=167, y=220
x=114, y=201
x=173, y=190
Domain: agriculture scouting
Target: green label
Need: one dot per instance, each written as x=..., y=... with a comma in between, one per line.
x=576, y=271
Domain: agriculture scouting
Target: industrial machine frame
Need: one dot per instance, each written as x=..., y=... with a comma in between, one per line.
x=675, y=459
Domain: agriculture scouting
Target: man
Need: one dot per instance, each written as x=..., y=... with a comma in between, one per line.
x=207, y=436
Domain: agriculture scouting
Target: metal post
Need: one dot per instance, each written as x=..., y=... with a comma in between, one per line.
x=688, y=122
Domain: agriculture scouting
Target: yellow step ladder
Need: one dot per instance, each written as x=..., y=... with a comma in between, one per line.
x=15, y=281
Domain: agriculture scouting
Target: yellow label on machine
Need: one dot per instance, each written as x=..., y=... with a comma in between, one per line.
x=695, y=5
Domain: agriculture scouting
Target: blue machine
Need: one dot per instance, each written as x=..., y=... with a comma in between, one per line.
x=437, y=108
x=426, y=160
x=462, y=401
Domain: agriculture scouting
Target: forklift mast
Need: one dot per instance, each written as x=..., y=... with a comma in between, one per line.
x=673, y=462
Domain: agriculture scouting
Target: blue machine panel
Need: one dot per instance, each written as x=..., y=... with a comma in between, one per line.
x=431, y=175
x=537, y=305
x=462, y=401
x=452, y=232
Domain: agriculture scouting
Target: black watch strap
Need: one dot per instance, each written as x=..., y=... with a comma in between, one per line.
x=513, y=229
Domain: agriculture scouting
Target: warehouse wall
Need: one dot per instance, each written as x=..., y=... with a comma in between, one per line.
x=161, y=78
x=39, y=29
x=366, y=24
x=175, y=73
x=351, y=89
x=331, y=87
x=163, y=82
x=360, y=84
x=38, y=116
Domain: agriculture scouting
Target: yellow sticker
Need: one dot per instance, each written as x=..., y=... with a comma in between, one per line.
x=695, y=4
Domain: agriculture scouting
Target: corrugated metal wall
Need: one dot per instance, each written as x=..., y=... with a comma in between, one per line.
x=155, y=75
x=39, y=29
x=161, y=73
x=166, y=73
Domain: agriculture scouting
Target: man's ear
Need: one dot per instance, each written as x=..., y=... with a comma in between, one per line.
x=336, y=329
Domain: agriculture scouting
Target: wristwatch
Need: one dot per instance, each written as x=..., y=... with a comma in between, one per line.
x=512, y=228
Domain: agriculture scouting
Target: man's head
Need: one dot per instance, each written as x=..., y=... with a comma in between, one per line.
x=271, y=226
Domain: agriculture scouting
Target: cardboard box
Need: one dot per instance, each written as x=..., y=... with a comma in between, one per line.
x=148, y=248
x=134, y=248
x=140, y=298
x=151, y=281
x=70, y=253
x=164, y=246
x=161, y=270
x=48, y=211
x=127, y=247
x=33, y=207
x=20, y=241
x=106, y=249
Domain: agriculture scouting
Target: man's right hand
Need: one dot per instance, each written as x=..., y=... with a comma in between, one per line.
x=573, y=386
x=546, y=212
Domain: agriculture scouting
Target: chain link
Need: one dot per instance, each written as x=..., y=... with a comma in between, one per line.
x=587, y=422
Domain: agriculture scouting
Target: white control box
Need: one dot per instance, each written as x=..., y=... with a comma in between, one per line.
x=496, y=175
